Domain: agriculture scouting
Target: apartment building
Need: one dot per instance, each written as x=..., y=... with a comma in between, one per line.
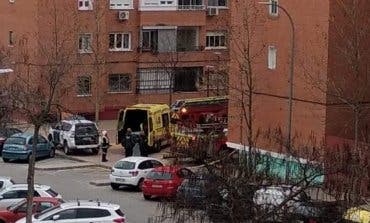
x=125, y=51
x=331, y=56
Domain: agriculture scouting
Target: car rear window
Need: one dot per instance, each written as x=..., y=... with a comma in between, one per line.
x=120, y=213
x=52, y=192
x=83, y=128
x=16, y=141
x=124, y=165
x=155, y=175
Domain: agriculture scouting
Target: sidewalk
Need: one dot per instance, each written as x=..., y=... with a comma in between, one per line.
x=115, y=153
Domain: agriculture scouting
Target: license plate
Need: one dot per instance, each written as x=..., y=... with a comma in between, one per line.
x=120, y=179
x=157, y=186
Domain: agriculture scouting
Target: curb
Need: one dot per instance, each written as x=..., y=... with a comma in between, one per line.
x=64, y=168
x=60, y=154
x=99, y=184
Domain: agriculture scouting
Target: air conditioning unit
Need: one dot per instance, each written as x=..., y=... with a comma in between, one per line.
x=123, y=15
x=212, y=11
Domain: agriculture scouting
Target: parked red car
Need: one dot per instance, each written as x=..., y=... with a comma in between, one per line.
x=18, y=210
x=163, y=181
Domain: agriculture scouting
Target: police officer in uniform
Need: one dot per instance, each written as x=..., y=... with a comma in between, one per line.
x=104, y=146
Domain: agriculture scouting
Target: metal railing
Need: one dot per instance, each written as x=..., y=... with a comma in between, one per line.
x=191, y=7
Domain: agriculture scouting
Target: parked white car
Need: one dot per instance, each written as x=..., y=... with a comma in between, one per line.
x=81, y=212
x=268, y=198
x=75, y=133
x=5, y=182
x=17, y=192
x=131, y=171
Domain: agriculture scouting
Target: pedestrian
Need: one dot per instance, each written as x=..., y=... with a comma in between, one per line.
x=143, y=144
x=128, y=142
x=104, y=146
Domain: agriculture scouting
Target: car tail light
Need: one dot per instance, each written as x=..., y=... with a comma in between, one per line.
x=134, y=173
x=119, y=220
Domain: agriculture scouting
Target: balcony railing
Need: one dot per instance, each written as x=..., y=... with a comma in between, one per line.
x=191, y=7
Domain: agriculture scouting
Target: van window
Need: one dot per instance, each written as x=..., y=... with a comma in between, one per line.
x=165, y=120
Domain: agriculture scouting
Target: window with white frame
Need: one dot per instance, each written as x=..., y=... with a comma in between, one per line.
x=273, y=7
x=216, y=40
x=217, y=3
x=85, y=43
x=166, y=3
x=271, y=63
x=119, y=82
x=121, y=4
x=85, y=4
x=119, y=41
x=84, y=85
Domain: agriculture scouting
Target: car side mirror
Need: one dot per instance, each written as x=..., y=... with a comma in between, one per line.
x=56, y=217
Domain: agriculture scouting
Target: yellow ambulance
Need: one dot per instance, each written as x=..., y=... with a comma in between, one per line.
x=151, y=119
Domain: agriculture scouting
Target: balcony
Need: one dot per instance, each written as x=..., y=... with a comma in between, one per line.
x=171, y=5
x=170, y=39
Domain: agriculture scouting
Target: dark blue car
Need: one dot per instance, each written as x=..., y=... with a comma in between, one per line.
x=19, y=147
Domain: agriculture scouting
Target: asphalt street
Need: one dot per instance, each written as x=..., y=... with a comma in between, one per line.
x=74, y=184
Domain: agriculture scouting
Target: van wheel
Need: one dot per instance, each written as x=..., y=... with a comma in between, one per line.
x=147, y=197
x=5, y=160
x=66, y=149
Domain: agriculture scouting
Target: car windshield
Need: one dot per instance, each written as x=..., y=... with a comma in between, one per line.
x=124, y=165
x=40, y=215
x=16, y=141
x=16, y=205
x=155, y=175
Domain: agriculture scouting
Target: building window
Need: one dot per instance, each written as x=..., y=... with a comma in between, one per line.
x=121, y=4
x=273, y=7
x=150, y=40
x=119, y=82
x=166, y=3
x=85, y=43
x=83, y=85
x=272, y=57
x=217, y=3
x=11, y=38
x=187, y=79
x=161, y=80
x=119, y=41
x=85, y=4
x=216, y=40
x=190, y=5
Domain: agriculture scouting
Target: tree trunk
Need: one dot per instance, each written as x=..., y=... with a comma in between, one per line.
x=31, y=175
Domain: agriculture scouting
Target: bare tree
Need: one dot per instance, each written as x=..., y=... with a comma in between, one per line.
x=346, y=87
x=40, y=79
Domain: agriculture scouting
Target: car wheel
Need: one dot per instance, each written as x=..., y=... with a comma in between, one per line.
x=147, y=197
x=5, y=160
x=66, y=149
x=95, y=151
x=140, y=184
x=114, y=186
x=52, y=153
